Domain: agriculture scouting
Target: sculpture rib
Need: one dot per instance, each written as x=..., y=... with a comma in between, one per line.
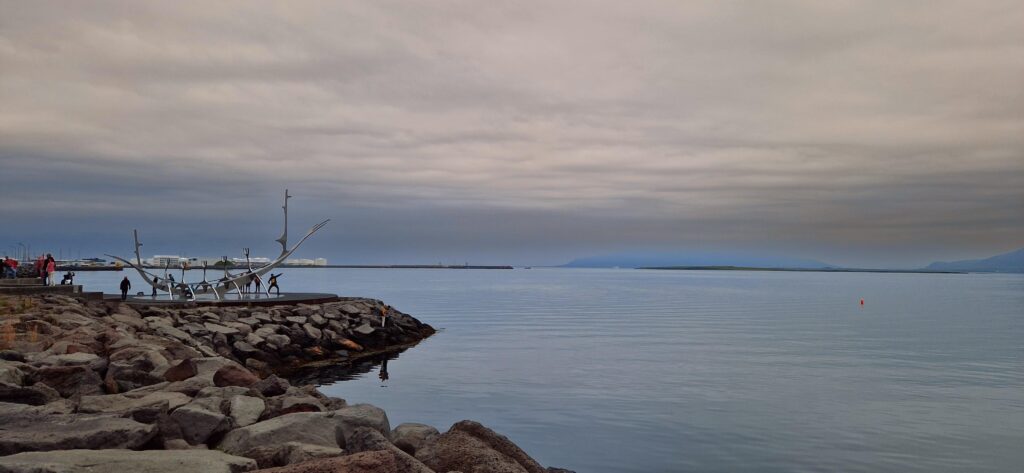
x=224, y=285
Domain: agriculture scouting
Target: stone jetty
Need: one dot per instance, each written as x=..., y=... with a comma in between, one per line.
x=89, y=385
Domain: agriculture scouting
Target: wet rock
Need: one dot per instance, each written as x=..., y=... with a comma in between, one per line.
x=128, y=461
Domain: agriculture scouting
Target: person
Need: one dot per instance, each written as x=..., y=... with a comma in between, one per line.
x=125, y=286
x=51, y=269
x=41, y=268
x=156, y=281
x=384, y=314
x=273, y=283
x=248, y=284
x=69, y=278
x=4, y=269
x=12, y=268
x=257, y=281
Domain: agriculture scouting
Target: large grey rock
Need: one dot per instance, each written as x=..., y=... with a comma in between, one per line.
x=311, y=331
x=472, y=448
x=410, y=437
x=199, y=422
x=126, y=461
x=362, y=415
x=288, y=453
x=32, y=395
x=246, y=410
x=365, y=439
x=130, y=404
x=315, y=428
x=11, y=373
x=217, y=328
x=70, y=380
x=29, y=431
x=364, y=329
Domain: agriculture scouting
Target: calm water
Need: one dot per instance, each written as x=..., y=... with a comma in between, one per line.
x=658, y=371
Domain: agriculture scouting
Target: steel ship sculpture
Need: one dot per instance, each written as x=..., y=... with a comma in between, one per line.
x=230, y=282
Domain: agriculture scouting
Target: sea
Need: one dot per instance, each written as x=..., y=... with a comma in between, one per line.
x=625, y=370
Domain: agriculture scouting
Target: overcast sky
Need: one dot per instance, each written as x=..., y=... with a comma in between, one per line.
x=854, y=132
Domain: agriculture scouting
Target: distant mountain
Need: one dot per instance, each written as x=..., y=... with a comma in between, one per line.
x=1012, y=262
x=652, y=259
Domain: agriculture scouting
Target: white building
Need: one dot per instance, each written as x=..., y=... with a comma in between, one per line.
x=306, y=262
x=172, y=261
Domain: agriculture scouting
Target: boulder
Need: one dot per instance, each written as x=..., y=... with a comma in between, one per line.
x=365, y=462
x=32, y=395
x=198, y=422
x=352, y=417
x=269, y=456
x=70, y=380
x=470, y=447
x=410, y=437
x=314, y=428
x=125, y=376
x=312, y=332
x=30, y=431
x=271, y=386
x=149, y=461
x=140, y=408
x=181, y=371
x=234, y=375
x=11, y=373
x=365, y=439
x=217, y=328
x=246, y=410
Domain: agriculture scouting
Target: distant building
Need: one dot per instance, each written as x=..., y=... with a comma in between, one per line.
x=172, y=261
x=306, y=262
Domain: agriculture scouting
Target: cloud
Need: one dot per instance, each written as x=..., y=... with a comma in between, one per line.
x=859, y=127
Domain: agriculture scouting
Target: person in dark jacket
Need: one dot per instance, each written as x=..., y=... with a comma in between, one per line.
x=125, y=286
x=273, y=283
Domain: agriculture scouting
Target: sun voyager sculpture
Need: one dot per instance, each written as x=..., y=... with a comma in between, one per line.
x=222, y=288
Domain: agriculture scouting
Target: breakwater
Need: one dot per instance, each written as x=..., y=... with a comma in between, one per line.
x=95, y=384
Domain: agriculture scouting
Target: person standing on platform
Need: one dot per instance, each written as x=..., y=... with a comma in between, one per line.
x=51, y=269
x=273, y=283
x=125, y=286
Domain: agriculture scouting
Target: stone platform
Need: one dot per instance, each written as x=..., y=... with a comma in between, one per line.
x=232, y=300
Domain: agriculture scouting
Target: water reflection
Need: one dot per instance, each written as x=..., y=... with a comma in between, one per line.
x=345, y=370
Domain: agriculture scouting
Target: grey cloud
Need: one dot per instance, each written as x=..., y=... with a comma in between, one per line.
x=867, y=132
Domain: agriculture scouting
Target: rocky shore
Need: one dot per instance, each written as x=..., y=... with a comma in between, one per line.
x=100, y=386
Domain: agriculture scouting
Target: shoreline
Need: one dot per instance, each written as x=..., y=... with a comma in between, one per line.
x=99, y=384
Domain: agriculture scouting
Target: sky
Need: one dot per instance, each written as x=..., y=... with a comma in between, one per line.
x=859, y=133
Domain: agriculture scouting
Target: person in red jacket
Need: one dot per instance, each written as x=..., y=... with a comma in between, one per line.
x=51, y=269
